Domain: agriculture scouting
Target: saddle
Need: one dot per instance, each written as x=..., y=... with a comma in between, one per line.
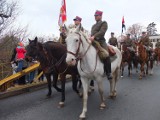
x=103, y=53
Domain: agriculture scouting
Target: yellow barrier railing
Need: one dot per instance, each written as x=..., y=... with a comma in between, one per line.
x=6, y=82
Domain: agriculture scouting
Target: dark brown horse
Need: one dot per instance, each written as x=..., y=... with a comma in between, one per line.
x=52, y=56
x=127, y=57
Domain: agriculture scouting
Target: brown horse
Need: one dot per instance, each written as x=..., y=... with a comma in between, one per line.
x=157, y=55
x=143, y=58
x=51, y=56
x=127, y=57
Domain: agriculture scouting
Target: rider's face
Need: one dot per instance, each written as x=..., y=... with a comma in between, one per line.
x=98, y=17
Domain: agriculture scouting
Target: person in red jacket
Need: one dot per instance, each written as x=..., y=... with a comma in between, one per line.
x=19, y=56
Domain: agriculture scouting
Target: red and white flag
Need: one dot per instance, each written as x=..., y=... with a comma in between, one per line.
x=62, y=15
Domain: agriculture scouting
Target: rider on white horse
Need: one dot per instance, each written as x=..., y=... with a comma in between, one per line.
x=97, y=35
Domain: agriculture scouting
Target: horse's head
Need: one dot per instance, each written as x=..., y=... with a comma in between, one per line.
x=32, y=48
x=74, y=44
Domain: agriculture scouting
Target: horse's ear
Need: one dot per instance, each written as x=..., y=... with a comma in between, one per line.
x=29, y=40
x=35, y=40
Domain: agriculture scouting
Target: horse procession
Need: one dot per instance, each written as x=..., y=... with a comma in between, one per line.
x=85, y=62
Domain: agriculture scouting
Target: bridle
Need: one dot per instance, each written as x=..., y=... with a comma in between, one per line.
x=79, y=57
x=76, y=55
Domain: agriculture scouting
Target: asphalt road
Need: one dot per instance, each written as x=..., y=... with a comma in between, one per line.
x=136, y=100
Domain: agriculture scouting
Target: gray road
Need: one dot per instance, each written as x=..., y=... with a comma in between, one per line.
x=136, y=100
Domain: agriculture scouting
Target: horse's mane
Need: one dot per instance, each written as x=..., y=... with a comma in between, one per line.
x=85, y=33
x=51, y=52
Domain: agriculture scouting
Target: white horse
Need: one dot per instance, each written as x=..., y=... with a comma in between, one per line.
x=89, y=65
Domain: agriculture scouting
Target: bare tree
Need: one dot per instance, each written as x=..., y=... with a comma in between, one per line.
x=8, y=13
x=151, y=29
x=135, y=30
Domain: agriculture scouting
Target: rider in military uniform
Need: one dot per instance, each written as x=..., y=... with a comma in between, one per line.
x=77, y=21
x=97, y=34
x=146, y=42
x=62, y=36
x=129, y=43
x=113, y=40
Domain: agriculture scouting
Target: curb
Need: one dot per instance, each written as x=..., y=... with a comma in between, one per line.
x=24, y=89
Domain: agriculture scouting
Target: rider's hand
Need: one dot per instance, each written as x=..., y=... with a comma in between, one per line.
x=92, y=38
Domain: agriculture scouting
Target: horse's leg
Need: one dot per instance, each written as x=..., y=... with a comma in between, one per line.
x=74, y=83
x=92, y=85
x=101, y=92
x=48, y=76
x=113, y=83
x=85, y=84
x=55, y=78
x=63, y=81
x=151, y=66
x=122, y=68
x=147, y=63
x=129, y=68
x=142, y=70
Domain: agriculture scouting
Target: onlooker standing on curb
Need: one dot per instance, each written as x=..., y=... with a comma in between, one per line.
x=20, y=54
x=32, y=74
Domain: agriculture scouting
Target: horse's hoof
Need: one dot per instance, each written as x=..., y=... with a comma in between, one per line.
x=61, y=105
x=89, y=92
x=48, y=95
x=102, y=106
x=121, y=76
x=112, y=97
x=82, y=117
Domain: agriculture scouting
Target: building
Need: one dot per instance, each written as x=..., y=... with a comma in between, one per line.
x=154, y=39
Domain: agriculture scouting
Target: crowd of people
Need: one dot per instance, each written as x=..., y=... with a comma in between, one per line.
x=19, y=63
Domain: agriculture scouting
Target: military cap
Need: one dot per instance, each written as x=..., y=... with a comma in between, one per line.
x=98, y=12
x=77, y=18
x=112, y=32
x=128, y=34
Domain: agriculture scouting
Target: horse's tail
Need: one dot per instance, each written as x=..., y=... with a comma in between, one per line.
x=117, y=62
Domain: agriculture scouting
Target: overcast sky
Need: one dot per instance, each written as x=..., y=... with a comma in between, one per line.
x=42, y=15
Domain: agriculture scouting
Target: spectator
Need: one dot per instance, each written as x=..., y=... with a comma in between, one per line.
x=18, y=56
x=32, y=74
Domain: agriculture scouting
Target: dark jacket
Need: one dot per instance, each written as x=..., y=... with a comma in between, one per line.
x=113, y=41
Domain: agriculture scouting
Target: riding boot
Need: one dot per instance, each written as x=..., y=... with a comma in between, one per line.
x=107, y=68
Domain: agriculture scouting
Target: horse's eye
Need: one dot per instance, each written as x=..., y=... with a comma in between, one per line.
x=76, y=40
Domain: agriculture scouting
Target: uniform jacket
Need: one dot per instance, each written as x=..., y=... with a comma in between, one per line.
x=113, y=41
x=129, y=43
x=145, y=41
x=98, y=30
